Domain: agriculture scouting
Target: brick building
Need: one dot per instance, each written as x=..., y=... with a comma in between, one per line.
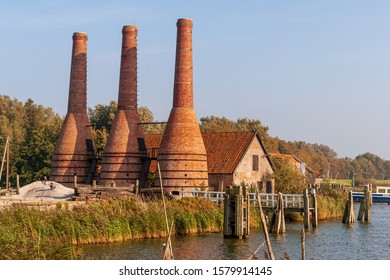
x=232, y=158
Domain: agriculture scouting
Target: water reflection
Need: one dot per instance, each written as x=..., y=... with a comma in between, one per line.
x=332, y=240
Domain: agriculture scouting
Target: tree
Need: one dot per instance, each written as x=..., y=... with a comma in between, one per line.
x=33, y=131
x=287, y=178
x=364, y=169
x=323, y=150
x=101, y=118
x=146, y=116
x=218, y=124
x=377, y=162
x=42, y=128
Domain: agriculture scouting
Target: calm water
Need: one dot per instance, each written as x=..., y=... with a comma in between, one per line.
x=332, y=240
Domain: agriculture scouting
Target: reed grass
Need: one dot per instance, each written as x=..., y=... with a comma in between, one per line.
x=31, y=233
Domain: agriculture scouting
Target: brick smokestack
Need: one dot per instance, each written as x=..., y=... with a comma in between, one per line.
x=75, y=148
x=122, y=154
x=182, y=154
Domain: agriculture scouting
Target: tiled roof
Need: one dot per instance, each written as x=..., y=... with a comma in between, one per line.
x=224, y=149
x=291, y=158
x=285, y=157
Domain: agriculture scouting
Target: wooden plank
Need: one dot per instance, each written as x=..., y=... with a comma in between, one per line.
x=265, y=229
x=226, y=215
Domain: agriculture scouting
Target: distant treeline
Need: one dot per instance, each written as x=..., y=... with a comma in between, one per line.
x=34, y=129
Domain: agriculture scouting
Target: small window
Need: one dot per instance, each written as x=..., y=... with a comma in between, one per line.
x=269, y=187
x=255, y=163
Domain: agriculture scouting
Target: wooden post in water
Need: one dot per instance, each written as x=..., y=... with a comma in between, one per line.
x=367, y=214
x=265, y=228
x=314, y=212
x=365, y=206
x=303, y=244
x=349, y=213
x=278, y=222
x=236, y=212
x=306, y=210
x=227, y=227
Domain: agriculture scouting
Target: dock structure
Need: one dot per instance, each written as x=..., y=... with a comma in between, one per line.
x=236, y=212
x=305, y=203
x=278, y=222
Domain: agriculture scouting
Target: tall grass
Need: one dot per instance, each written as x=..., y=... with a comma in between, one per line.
x=31, y=233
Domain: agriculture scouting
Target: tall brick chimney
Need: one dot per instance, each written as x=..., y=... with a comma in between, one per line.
x=75, y=148
x=182, y=154
x=124, y=150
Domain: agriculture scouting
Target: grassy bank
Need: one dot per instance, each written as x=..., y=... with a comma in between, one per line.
x=33, y=233
x=30, y=233
x=330, y=204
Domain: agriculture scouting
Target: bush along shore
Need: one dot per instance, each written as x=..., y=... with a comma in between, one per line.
x=33, y=233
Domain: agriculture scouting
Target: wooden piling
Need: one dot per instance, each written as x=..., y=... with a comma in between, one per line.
x=227, y=229
x=75, y=180
x=349, y=213
x=367, y=213
x=303, y=244
x=236, y=212
x=265, y=228
x=306, y=210
x=365, y=206
x=278, y=220
x=314, y=212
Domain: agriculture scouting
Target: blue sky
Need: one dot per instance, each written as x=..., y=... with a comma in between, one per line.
x=316, y=71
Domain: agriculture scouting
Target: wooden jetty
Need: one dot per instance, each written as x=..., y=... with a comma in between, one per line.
x=305, y=203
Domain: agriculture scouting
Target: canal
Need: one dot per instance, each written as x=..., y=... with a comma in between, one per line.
x=332, y=240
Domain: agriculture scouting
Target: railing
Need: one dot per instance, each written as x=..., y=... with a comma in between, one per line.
x=267, y=199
